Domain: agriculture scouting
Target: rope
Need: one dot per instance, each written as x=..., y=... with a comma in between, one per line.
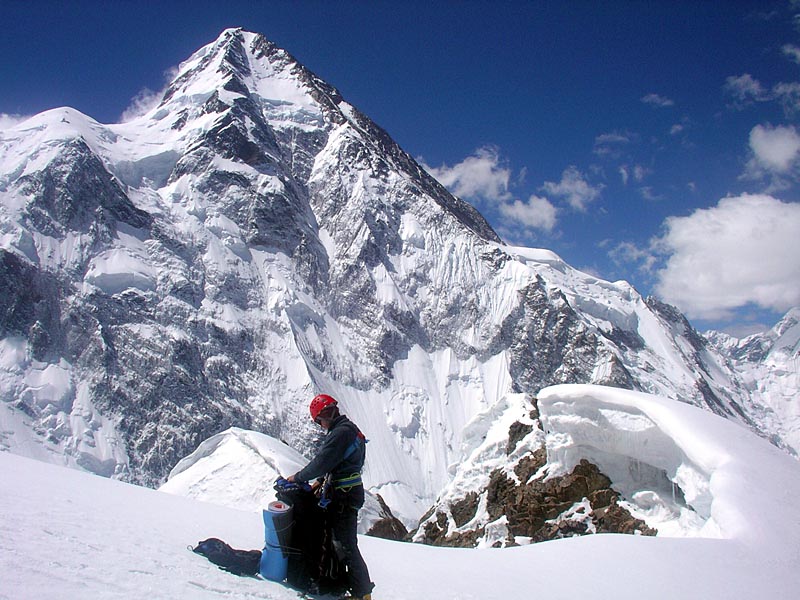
x=283, y=528
x=285, y=550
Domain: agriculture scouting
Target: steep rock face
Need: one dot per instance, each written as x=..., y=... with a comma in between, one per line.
x=34, y=310
x=718, y=401
x=549, y=343
x=75, y=194
x=255, y=239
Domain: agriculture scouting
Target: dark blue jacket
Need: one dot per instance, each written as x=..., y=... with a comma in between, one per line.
x=343, y=437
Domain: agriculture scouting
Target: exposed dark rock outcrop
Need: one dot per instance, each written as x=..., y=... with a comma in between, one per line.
x=388, y=526
x=577, y=503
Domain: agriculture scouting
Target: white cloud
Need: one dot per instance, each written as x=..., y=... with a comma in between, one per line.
x=574, y=188
x=615, y=137
x=744, y=329
x=147, y=99
x=483, y=177
x=680, y=127
x=742, y=251
x=536, y=213
x=657, y=101
x=479, y=176
x=775, y=149
x=638, y=172
x=746, y=90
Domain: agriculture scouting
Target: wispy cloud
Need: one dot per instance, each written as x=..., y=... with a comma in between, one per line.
x=613, y=143
x=615, y=137
x=148, y=99
x=788, y=94
x=740, y=252
x=629, y=253
x=649, y=194
x=145, y=100
x=574, y=189
x=744, y=90
x=792, y=51
x=680, y=127
x=8, y=121
x=637, y=172
x=624, y=174
x=481, y=176
x=657, y=101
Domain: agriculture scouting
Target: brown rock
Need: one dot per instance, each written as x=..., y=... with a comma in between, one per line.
x=464, y=510
x=516, y=432
x=388, y=526
x=537, y=509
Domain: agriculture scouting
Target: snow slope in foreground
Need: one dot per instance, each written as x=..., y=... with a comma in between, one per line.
x=67, y=534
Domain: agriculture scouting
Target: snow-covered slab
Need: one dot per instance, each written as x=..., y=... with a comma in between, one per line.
x=235, y=468
x=238, y=468
x=737, y=485
x=116, y=270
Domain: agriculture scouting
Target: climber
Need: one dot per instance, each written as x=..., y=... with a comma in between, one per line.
x=339, y=461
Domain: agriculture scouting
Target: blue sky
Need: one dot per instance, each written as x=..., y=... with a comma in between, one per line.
x=655, y=142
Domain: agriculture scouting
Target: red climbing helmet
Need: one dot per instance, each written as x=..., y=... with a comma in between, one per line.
x=320, y=403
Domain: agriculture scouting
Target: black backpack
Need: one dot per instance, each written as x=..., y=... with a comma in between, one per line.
x=238, y=562
x=313, y=562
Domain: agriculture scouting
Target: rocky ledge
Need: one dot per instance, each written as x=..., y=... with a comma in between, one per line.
x=533, y=507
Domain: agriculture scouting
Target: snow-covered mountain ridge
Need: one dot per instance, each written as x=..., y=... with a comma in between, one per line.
x=768, y=365
x=254, y=239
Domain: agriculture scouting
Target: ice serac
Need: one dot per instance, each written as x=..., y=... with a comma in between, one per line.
x=254, y=239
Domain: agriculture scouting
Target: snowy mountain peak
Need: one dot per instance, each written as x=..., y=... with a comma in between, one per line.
x=237, y=65
x=788, y=333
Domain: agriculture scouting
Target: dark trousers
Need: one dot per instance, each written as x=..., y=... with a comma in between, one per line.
x=345, y=525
